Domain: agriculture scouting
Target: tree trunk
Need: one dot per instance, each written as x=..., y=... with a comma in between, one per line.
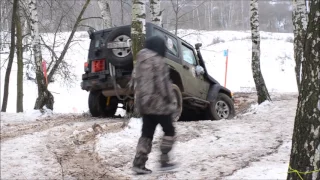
x=198, y=19
x=305, y=152
x=122, y=20
x=242, y=16
x=176, y=26
x=299, y=19
x=156, y=12
x=19, y=62
x=261, y=88
x=105, y=13
x=44, y=96
x=11, y=56
x=138, y=29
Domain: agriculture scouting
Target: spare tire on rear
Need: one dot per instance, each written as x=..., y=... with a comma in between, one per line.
x=123, y=56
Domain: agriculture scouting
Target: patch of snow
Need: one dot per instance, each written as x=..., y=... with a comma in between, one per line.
x=27, y=157
x=263, y=107
x=212, y=149
x=269, y=167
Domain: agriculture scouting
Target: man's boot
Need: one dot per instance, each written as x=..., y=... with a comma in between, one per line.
x=143, y=149
x=165, y=147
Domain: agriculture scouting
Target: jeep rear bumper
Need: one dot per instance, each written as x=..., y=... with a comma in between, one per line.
x=104, y=83
x=96, y=81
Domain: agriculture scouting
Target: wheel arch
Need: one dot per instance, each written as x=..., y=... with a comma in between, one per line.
x=176, y=79
x=215, y=89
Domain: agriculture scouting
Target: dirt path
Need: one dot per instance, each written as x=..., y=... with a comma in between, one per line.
x=59, y=147
x=64, y=146
x=212, y=149
x=11, y=130
x=75, y=150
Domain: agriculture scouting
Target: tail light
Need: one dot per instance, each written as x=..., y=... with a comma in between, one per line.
x=98, y=65
x=86, y=68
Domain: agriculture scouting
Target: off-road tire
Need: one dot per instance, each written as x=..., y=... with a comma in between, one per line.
x=110, y=56
x=93, y=103
x=178, y=95
x=224, y=100
x=98, y=105
x=109, y=111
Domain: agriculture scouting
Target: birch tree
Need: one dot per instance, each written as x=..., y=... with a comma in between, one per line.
x=11, y=56
x=299, y=19
x=156, y=12
x=44, y=95
x=261, y=88
x=105, y=13
x=305, y=152
x=19, y=60
x=138, y=29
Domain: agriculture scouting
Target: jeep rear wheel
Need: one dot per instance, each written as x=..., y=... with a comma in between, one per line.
x=93, y=103
x=101, y=106
x=222, y=107
x=178, y=103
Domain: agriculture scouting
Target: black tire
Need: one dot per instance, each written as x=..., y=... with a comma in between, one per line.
x=93, y=103
x=176, y=90
x=98, y=105
x=221, y=108
x=111, y=109
x=110, y=55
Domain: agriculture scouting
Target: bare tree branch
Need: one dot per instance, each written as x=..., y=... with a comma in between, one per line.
x=83, y=19
x=56, y=65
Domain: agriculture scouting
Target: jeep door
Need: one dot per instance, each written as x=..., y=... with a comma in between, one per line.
x=194, y=84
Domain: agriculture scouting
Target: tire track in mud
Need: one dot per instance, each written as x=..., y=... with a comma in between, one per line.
x=74, y=149
x=14, y=130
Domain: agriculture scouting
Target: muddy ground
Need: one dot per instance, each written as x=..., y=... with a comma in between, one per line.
x=70, y=141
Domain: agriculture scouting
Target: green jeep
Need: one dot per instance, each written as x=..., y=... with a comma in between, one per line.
x=110, y=64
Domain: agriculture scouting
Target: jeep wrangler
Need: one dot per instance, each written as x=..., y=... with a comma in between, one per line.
x=110, y=64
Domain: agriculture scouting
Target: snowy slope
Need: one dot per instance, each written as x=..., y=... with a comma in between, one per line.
x=253, y=146
x=277, y=66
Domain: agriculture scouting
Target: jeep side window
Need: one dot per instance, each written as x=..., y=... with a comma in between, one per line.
x=172, y=43
x=188, y=55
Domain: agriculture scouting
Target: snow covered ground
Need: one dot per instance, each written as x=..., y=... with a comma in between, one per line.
x=254, y=145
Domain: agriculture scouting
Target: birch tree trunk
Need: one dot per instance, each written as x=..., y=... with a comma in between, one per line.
x=44, y=96
x=305, y=152
x=19, y=61
x=11, y=56
x=261, y=88
x=156, y=12
x=138, y=30
x=122, y=20
x=242, y=16
x=299, y=19
x=105, y=13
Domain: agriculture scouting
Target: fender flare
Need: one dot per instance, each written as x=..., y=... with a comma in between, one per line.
x=214, y=91
x=178, y=79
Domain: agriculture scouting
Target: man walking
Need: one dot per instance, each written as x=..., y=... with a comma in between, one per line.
x=154, y=101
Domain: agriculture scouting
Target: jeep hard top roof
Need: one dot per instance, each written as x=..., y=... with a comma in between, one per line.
x=148, y=24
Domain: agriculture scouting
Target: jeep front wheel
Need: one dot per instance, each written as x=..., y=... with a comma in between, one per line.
x=178, y=102
x=221, y=108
